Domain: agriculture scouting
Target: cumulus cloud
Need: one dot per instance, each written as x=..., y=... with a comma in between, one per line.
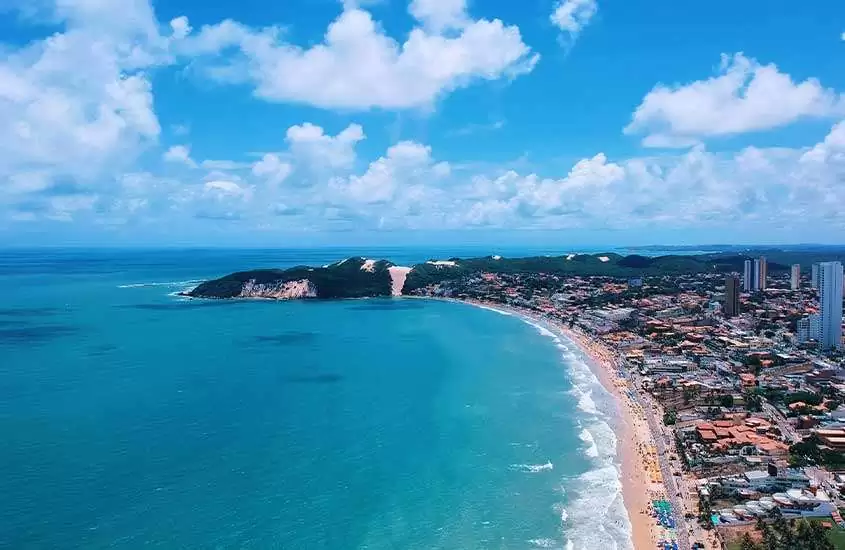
x=272, y=169
x=77, y=107
x=745, y=96
x=180, y=154
x=310, y=143
x=358, y=66
x=406, y=164
x=439, y=15
x=571, y=16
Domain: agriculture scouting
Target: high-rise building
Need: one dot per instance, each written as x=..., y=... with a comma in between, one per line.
x=830, y=305
x=759, y=272
x=731, y=296
x=755, y=282
x=795, y=278
x=747, y=277
x=815, y=276
x=809, y=328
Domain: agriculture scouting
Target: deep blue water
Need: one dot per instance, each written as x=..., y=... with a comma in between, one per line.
x=131, y=418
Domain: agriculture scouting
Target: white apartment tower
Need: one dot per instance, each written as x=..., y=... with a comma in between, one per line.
x=830, y=305
x=748, y=277
x=795, y=279
x=815, y=276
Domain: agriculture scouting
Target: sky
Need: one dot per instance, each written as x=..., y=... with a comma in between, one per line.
x=329, y=122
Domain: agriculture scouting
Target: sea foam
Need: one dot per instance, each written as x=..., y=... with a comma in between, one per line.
x=166, y=283
x=596, y=516
x=533, y=468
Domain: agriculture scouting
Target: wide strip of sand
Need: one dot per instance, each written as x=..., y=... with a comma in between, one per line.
x=634, y=436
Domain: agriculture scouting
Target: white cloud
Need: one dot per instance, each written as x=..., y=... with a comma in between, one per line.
x=357, y=66
x=77, y=107
x=842, y=36
x=571, y=16
x=832, y=149
x=222, y=187
x=180, y=154
x=407, y=164
x=745, y=96
x=224, y=165
x=439, y=15
x=180, y=27
x=310, y=143
x=272, y=169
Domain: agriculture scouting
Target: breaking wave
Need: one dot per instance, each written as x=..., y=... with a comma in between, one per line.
x=167, y=283
x=532, y=468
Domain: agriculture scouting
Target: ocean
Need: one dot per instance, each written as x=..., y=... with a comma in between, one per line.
x=133, y=418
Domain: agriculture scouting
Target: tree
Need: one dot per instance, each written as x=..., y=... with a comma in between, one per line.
x=817, y=540
x=753, y=401
x=727, y=400
x=770, y=539
x=670, y=417
x=747, y=543
x=761, y=525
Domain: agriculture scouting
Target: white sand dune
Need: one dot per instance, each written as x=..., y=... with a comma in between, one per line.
x=398, y=275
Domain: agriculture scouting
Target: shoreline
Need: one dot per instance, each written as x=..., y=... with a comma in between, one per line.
x=634, y=436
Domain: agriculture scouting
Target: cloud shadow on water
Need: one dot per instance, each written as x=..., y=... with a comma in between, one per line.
x=182, y=305
x=387, y=305
x=326, y=378
x=34, y=335
x=29, y=312
x=290, y=338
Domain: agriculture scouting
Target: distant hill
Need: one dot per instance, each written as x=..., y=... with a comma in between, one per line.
x=358, y=277
x=351, y=278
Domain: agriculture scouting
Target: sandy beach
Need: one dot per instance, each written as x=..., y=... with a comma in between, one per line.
x=639, y=465
x=640, y=474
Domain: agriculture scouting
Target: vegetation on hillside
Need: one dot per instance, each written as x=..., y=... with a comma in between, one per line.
x=339, y=280
x=346, y=279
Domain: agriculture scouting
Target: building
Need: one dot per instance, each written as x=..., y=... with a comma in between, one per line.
x=833, y=438
x=830, y=305
x=761, y=272
x=795, y=278
x=731, y=296
x=815, y=276
x=809, y=328
x=747, y=274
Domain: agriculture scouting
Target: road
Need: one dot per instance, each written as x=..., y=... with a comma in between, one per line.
x=785, y=428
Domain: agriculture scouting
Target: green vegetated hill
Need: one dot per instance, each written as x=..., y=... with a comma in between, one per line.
x=344, y=279
x=581, y=264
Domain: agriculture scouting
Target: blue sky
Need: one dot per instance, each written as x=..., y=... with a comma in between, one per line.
x=312, y=122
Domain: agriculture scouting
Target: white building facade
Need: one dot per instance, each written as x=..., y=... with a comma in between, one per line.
x=830, y=305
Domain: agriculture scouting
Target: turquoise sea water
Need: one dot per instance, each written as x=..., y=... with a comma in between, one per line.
x=132, y=418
